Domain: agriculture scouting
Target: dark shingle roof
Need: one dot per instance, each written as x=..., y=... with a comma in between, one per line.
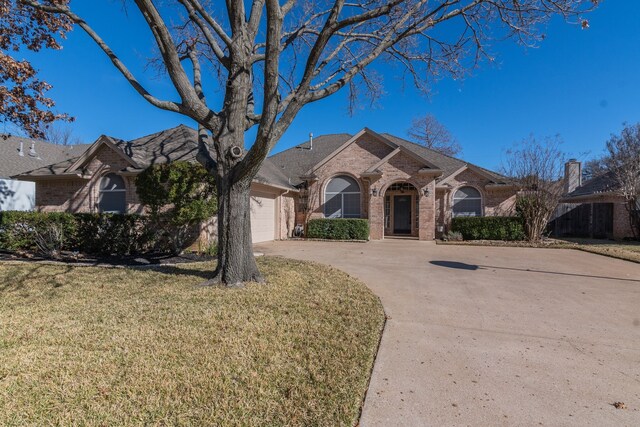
x=179, y=143
x=601, y=184
x=283, y=169
x=170, y=145
x=296, y=161
x=11, y=163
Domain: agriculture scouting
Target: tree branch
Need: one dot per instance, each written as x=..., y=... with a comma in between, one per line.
x=120, y=66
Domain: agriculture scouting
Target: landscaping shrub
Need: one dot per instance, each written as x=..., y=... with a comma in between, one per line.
x=24, y=230
x=489, y=228
x=52, y=232
x=113, y=234
x=178, y=196
x=338, y=229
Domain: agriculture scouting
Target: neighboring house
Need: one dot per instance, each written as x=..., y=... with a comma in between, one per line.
x=102, y=179
x=593, y=209
x=19, y=155
x=402, y=188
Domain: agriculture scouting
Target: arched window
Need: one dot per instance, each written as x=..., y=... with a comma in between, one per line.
x=467, y=201
x=342, y=198
x=112, y=196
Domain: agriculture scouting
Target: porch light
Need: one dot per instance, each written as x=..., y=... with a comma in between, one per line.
x=374, y=192
x=425, y=191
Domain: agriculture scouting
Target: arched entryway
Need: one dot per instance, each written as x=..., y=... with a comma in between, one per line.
x=401, y=211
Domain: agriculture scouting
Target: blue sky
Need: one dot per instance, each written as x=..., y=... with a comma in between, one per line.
x=579, y=84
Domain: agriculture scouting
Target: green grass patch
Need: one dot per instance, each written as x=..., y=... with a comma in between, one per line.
x=94, y=346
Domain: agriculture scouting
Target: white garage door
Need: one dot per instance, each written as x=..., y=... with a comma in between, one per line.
x=263, y=216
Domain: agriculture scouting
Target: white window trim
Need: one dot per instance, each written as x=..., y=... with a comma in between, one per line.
x=341, y=194
x=453, y=200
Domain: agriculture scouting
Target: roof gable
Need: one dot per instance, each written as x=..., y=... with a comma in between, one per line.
x=88, y=155
x=472, y=168
x=368, y=132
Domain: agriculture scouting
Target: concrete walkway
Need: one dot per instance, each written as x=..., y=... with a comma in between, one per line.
x=495, y=336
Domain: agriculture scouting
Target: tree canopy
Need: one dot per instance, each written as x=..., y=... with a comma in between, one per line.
x=23, y=95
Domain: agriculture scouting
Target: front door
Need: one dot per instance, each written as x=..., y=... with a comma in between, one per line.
x=402, y=214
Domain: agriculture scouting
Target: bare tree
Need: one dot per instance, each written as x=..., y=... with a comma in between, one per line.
x=428, y=131
x=537, y=167
x=594, y=168
x=60, y=135
x=623, y=160
x=270, y=58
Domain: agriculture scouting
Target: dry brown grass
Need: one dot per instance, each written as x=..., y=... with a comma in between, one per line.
x=94, y=346
x=628, y=251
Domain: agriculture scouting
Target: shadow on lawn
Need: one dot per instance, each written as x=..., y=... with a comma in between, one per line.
x=172, y=270
x=33, y=274
x=472, y=267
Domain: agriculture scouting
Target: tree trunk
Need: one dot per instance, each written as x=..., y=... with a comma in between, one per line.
x=236, y=262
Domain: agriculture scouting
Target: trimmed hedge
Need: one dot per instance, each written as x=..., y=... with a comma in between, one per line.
x=489, y=227
x=338, y=229
x=109, y=234
x=98, y=234
x=18, y=229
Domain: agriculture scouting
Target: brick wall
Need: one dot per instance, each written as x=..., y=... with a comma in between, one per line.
x=495, y=201
x=81, y=195
x=359, y=157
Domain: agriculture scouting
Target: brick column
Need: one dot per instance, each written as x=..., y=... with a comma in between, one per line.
x=376, y=216
x=427, y=220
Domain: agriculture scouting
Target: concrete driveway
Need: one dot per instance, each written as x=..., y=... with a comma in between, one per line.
x=495, y=336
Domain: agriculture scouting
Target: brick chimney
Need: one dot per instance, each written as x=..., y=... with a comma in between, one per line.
x=572, y=175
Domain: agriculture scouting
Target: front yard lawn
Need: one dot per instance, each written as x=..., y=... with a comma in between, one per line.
x=115, y=346
x=629, y=251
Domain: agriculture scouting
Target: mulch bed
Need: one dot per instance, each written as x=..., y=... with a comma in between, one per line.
x=128, y=261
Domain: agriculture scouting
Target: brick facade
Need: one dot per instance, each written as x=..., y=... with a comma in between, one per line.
x=495, y=201
x=81, y=195
x=433, y=204
x=430, y=211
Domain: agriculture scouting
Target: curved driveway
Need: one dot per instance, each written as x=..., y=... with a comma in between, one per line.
x=495, y=336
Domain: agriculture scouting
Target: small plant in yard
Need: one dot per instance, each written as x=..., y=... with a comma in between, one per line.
x=453, y=236
x=49, y=240
x=211, y=249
